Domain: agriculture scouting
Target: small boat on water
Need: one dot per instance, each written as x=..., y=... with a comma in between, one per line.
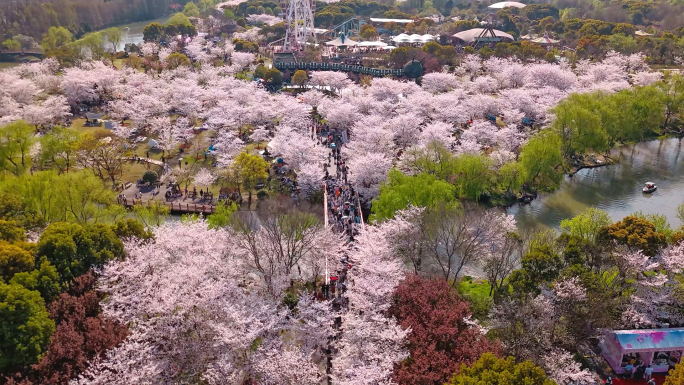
x=649, y=187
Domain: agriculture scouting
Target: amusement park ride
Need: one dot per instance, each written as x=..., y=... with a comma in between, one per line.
x=299, y=19
x=300, y=31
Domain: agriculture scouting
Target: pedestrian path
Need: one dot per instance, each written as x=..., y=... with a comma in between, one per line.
x=658, y=379
x=147, y=160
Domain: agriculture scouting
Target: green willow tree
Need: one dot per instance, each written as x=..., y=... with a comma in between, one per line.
x=586, y=225
x=59, y=148
x=56, y=37
x=401, y=191
x=16, y=139
x=541, y=160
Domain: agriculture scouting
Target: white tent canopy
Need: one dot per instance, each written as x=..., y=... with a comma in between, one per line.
x=342, y=41
x=471, y=35
x=317, y=31
x=642, y=33
x=506, y=4
x=415, y=38
x=544, y=40
x=372, y=44
x=398, y=21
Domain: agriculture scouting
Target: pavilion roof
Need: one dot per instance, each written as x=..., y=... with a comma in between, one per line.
x=645, y=339
x=471, y=35
x=506, y=4
x=342, y=41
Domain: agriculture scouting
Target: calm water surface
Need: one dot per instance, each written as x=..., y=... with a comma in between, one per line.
x=616, y=188
x=134, y=34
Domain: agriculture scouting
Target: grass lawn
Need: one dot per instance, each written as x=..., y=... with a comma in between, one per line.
x=134, y=171
x=9, y=64
x=477, y=293
x=250, y=148
x=118, y=63
x=79, y=125
x=143, y=148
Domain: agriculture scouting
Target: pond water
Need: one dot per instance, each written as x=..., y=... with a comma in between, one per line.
x=616, y=188
x=134, y=33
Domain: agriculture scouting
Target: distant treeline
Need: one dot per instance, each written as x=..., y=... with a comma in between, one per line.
x=34, y=18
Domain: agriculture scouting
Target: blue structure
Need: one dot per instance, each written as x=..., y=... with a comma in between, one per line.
x=660, y=348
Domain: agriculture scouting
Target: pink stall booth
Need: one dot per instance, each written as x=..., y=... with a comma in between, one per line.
x=660, y=348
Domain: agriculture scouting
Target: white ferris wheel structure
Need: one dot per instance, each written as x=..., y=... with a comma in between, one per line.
x=299, y=23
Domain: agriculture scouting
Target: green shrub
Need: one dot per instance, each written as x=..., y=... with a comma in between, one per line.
x=150, y=177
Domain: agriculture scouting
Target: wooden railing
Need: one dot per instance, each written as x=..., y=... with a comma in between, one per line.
x=338, y=67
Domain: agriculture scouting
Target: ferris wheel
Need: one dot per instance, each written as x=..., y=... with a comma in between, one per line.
x=299, y=22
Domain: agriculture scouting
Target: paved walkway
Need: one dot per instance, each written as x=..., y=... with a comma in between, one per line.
x=658, y=378
x=147, y=160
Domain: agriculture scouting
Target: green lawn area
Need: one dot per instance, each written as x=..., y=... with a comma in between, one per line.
x=250, y=148
x=9, y=64
x=477, y=293
x=118, y=63
x=134, y=171
x=79, y=125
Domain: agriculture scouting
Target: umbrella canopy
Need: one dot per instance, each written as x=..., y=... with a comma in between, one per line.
x=506, y=4
x=471, y=35
x=342, y=41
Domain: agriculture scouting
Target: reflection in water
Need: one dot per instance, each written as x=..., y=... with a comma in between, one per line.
x=134, y=33
x=616, y=188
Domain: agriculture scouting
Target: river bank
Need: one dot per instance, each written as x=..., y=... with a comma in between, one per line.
x=132, y=33
x=615, y=188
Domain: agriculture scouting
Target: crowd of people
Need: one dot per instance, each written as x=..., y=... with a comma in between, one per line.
x=343, y=209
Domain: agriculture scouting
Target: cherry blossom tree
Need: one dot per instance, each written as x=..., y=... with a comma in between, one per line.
x=168, y=137
x=260, y=134
x=406, y=128
x=562, y=368
x=438, y=131
x=439, y=82
x=242, y=59
x=227, y=147
x=297, y=149
x=371, y=134
x=204, y=177
x=195, y=313
x=310, y=178
x=335, y=80
x=367, y=172
x=263, y=19
x=371, y=342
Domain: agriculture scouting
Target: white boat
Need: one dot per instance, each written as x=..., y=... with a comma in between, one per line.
x=649, y=187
